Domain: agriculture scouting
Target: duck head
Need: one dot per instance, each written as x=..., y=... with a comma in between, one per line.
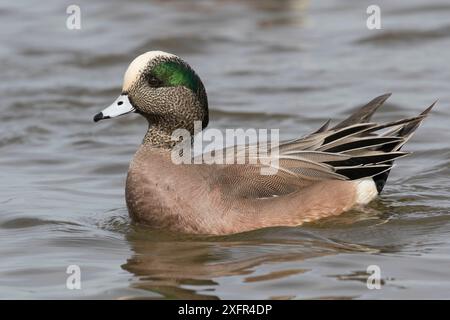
x=166, y=91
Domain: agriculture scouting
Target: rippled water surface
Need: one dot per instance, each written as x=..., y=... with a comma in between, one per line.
x=265, y=64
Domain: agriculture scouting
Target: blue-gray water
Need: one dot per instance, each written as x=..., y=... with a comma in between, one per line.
x=265, y=64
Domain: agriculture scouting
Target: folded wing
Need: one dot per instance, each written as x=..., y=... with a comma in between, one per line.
x=353, y=149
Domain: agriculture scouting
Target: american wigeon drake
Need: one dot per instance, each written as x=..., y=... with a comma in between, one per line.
x=322, y=174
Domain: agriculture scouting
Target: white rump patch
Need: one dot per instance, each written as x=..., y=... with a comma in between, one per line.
x=366, y=191
x=138, y=64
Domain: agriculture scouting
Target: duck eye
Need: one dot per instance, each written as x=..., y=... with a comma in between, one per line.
x=154, y=82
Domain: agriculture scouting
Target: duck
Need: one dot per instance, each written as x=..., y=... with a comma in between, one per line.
x=321, y=174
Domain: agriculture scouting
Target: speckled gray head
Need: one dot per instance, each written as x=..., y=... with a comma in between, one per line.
x=166, y=91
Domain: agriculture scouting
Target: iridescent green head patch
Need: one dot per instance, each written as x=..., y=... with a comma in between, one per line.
x=175, y=73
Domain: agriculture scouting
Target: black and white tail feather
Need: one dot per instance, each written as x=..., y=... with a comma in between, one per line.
x=356, y=148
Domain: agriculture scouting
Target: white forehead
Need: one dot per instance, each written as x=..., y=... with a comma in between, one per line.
x=138, y=65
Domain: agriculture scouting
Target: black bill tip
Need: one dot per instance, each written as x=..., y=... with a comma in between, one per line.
x=99, y=116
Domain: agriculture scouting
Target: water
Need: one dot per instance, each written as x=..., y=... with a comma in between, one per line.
x=266, y=64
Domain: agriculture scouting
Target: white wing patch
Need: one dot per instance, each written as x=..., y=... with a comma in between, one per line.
x=366, y=191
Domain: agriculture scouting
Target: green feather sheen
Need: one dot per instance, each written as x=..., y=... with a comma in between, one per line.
x=175, y=74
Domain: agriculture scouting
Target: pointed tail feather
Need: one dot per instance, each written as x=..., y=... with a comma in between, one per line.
x=323, y=128
x=405, y=132
x=354, y=149
x=365, y=113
